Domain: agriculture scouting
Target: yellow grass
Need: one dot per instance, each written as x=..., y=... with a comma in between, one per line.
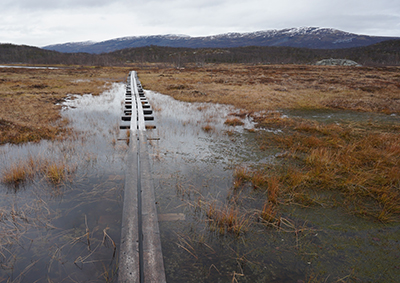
x=28, y=98
x=23, y=171
x=269, y=213
x=17, y=173
x=56, y=173
x=361, y=163
x=257, y=88
x=227, y=218
x=358, y=161
x=233, y=122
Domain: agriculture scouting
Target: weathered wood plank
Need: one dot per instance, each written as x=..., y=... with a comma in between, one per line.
x=153, y=258
x=129, y=249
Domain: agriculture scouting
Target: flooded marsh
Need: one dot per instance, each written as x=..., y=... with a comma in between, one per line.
x=234, y=228
x=244, y=194
x=61, y=221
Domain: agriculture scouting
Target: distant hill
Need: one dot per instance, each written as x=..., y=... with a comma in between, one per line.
x=307, y=37
x=23, y=54
x=380, y=54
x=383, y=53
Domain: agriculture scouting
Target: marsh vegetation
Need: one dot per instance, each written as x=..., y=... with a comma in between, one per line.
x=310, y=189
x=60, y=193
x=278, y=173
x=30, y=99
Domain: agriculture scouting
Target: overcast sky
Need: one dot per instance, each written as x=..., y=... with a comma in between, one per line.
x=44, y=22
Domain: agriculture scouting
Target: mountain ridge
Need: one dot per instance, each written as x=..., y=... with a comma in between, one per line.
x=302, y=37
x=386, y=53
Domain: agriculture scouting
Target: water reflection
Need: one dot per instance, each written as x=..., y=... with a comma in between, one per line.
x=193, y=170
x=343, y=116
x=70, y=232
x=67, y=232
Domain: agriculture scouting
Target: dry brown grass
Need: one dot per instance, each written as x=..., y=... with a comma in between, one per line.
x=226, y=218
x=233, y=122
x=17, y=173
x=257, y=88
x=361, y=163
x=23, y=171
x=269, y=213
x=56, y=172
x=28, y=98
x=207, y=128
x=241, y=174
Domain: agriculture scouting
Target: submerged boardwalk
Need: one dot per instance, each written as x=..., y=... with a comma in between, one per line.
x=140, y=258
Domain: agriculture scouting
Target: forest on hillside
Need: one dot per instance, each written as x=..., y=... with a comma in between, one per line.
x=386, y=53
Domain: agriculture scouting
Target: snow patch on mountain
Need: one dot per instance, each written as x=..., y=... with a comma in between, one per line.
x=309, y=37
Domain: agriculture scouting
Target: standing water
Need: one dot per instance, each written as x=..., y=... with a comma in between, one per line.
x=194, y=155
x=69, y=231
x=66, y=229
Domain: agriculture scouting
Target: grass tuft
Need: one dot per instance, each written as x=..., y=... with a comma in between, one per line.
x=207, y=128
x=56, y=173
x=227, y=218
x=241, y=175
x=24, y=171
x=269, y=213
x=17, y=174
x=233, y=122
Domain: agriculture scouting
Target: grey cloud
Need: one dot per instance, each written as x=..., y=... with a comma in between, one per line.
x=72, y=20
x=40, y=5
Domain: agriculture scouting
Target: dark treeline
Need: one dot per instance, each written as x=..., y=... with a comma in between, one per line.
x=381, y=54
x=21, y=54
x=385, y=53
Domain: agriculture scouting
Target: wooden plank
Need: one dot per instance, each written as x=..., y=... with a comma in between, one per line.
x=153, y=258
x=140, y=122
x=134, y=110
x=129, y=250
x=171, y=217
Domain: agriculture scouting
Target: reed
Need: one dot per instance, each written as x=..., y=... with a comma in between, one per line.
x=56, y=173
x=17, y=174
x=241, y=175
x=226, y=218
x=269, y=213
x=23, y=171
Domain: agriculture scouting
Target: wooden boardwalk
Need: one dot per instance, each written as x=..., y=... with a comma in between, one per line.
x=140, y=258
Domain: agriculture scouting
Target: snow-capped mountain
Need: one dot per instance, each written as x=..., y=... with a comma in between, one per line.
x=307, y=37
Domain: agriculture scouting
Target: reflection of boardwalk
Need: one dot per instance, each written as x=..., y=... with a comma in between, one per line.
x=140, y=257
